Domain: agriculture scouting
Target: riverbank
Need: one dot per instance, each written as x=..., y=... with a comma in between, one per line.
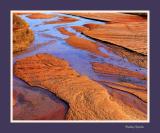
x=22, y=34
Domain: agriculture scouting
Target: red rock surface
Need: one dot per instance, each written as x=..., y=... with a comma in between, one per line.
x=81, y=43
x=62, y=20
x=65, y=32
x=85, y=44
x=80, y=28
x=127, y=98
x=110, y=17
x=131, y=35
x=115, y=70
x=126, y=30
x=137, y=90
x=40, y=16
x=31, y=103
x=22, y=34
x=87, y=99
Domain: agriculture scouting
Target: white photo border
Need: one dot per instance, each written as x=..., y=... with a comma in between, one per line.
x=81, y=121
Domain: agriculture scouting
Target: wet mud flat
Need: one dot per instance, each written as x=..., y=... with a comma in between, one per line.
x=96, y=70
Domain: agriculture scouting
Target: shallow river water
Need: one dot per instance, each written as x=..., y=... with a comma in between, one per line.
x=49, y=40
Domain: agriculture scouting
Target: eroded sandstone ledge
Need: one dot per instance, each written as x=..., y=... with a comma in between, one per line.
x=126, y=30
x=87, y=99
x=22, y=34
x=125, y=34
x=131, y=35
x=109, y=17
